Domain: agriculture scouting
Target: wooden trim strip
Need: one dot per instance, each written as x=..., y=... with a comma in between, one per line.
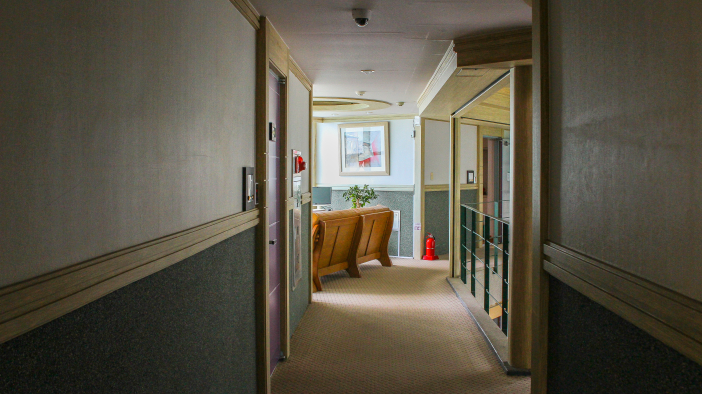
x=674, y=319
x=368, y=118
x=31, y=304
x=446, y=63
x=378, y=188
x=306, y=198
x=512, y=47
x=295, y=69
x=248, y=11
x=262, y=230
x=445, y=187
x=540, y=197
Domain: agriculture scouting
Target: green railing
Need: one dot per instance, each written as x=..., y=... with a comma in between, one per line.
x=495, y=238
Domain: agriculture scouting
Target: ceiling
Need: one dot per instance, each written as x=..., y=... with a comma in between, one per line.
x=404, y=42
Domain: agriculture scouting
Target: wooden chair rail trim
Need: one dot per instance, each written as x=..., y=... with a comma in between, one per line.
x=673, y=318
x=30, y=304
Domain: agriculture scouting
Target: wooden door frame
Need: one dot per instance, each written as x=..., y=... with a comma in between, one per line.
x=271, y=54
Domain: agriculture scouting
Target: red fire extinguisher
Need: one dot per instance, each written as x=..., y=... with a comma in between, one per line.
x=431, y=244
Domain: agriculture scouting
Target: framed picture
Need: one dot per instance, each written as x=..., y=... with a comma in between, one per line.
x=364, y=149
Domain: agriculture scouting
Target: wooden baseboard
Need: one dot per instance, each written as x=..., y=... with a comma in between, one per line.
x=30, y=304
x=673, y=318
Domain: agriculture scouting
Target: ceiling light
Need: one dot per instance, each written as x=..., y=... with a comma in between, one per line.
x=400, y=103
x=369, y=112
x=368, y=72
x=360, y=92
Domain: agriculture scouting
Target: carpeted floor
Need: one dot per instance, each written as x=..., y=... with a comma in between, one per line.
x=395, y=330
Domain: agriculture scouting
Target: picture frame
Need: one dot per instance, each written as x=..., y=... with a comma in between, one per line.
x=364, y=149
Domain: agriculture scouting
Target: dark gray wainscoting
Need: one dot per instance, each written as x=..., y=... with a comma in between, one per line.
x=395, y=200
x=299, y=296
x=189, y=328
x=592, y=350
x=436, y=215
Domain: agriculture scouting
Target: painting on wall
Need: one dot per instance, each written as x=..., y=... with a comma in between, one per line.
x=364, y=149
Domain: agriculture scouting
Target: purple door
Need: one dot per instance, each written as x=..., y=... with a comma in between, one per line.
x=274, y=224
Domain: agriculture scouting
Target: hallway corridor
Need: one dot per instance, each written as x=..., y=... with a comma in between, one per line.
x=395, y=330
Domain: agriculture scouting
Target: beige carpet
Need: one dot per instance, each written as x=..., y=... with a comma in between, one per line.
x=395, y=330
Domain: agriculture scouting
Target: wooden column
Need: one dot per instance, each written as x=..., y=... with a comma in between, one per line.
x=540, y=284
x=519, y=338
x=418, y=211
x=455, y=197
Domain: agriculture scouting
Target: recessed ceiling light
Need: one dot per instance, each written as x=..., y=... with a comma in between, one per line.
x=360, y=92
x=400, y=103
x=368, y=72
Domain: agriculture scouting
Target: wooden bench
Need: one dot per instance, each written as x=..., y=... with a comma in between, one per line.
x=350, y=237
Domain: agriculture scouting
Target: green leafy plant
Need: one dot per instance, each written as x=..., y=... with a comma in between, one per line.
x=360, y=196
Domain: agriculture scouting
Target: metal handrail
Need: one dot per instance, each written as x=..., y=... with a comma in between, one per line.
x=485, y=214
x=471, y=235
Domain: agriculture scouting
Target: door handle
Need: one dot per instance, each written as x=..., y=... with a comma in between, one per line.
x=273, y=242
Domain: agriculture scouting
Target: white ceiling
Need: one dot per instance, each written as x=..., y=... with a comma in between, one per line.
x=404, y=42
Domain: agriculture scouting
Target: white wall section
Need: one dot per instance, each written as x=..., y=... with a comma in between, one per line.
x=438, y=150
x=401, y=156
x=122, y=122
x=298, y=129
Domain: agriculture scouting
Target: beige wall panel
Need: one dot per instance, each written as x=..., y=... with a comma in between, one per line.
x=122, y=122
x=298, y=128
x=626, y=137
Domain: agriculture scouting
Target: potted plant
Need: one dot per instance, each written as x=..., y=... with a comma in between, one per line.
x=360, y=196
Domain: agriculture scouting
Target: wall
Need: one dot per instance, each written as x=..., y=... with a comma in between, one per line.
x=613, y=355
x=298, y=127
x=396, y=200
x=401, y=156
x=626, y=122
x=436, y=205
x=624, y=154
x=401, y=174
x=123, y=122
x=437, y=148
x=299, y=139
x=189, y=328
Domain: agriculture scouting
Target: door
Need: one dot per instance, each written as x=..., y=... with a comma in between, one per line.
x=274, y=219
